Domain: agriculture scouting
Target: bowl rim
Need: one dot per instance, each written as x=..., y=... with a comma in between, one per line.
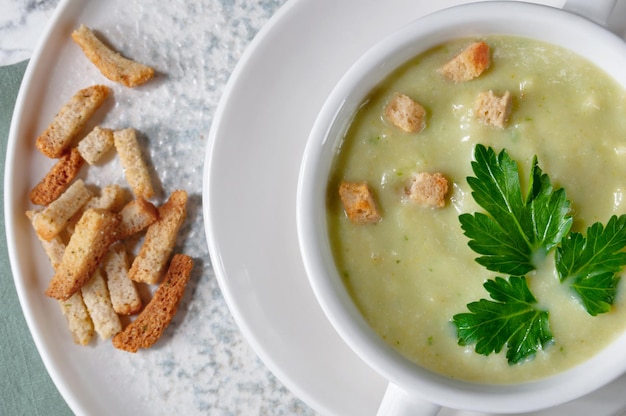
x=473, y=20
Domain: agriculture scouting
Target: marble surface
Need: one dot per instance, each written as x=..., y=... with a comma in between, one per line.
x=234, y=380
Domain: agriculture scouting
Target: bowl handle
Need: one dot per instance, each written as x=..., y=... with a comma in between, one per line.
x=597, y=10
x=397, y=402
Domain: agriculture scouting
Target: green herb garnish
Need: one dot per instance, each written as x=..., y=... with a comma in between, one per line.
x=510, y=237
x=591, y=263
x=516, y=228
x=511, y=319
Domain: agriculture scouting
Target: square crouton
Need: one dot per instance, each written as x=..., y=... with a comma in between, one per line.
x=358, y=202
x=493, y=110
x=94, y=145
x=468, y=64
x=405, y=113
x=428, y=189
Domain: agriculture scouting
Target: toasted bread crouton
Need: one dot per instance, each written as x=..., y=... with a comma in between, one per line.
x=110, y=63
x=57, y=137
x=96, y=298
x=53, y=219
x=136, y=216
x=493, y=110
x=93, y=235
x=112, y=198
x=358, y=202
x=57, y=179
x=150, y=324
x=468, y=64
x=95, y=144
x=135, y=168
x=78, y=319
x=150, y=263
x=405, y=113
x=428, y=189
x=124, y=295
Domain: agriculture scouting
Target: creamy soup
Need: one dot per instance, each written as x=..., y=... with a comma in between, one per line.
x=412, y=271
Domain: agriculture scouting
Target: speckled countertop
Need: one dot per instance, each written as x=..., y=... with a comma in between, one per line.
x=236, y=381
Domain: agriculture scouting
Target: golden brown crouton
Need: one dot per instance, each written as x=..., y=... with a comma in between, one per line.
x=405, y=113
x=135, y=168
x=57, y=179
x=94, y=145
x=136, y=216
x=70, y=119
x=151, y=261
x=468, y=64
x=428, y=189
x=98, y=303
x=78, y=320
x=124, y=295
x=358, y=202
x=493, y=110
x=54, y=218
x=110, y=63
x=93, y=235
x=144, y=331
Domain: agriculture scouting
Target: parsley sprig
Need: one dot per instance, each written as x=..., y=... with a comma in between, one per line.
x=511, y=319
x=517, y=228
x=513, y=232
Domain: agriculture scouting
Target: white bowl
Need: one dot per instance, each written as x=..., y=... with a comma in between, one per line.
x=412, y=388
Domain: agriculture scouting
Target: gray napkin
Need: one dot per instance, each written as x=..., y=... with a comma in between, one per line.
x=25, y=386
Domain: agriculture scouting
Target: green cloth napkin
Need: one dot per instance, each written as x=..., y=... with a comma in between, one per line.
x=25, y=386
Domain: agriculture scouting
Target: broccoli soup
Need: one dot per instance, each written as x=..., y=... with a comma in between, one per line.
x=475, y=209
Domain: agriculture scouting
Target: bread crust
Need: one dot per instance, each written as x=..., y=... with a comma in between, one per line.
x=70, y=119
x=149, y=325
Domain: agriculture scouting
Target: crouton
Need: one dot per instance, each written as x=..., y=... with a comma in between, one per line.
x=493, y=110
x=150, y=324
x=468, y=64
x=135, y=168
x=112, y=198
x=79, y=322
x=428, y=189
x=110, y=63
x=136, y=216
x=124, y=295
x=53, y=219
x=151, y=261
x=58, y=136
x=78, y=319
x=405, y=113
x=57, y=179
x=358, y=202
x=95, y=144
x=92, y=237
x=96, y=298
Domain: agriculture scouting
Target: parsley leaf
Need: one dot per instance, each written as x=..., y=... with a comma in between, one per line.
x=516, y=228
x=592, y=263
x=510, y=319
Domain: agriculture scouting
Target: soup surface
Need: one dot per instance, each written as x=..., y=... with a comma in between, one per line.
x=412, y=271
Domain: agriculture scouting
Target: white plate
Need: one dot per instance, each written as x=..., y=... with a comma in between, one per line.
x=251, y=169
x=203, y=364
